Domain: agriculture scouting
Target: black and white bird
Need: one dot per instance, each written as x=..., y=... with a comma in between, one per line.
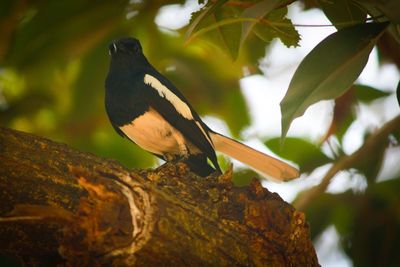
x=145, y=107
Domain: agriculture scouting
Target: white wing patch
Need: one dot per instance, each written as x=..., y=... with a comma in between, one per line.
x=163, y=91
x=204, y=133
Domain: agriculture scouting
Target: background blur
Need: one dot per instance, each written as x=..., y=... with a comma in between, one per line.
x=54, y=60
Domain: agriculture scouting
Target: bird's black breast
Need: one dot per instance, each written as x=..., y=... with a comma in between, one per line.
x=124, y=99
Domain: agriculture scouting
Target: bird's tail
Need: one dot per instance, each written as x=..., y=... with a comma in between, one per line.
x=272, y=168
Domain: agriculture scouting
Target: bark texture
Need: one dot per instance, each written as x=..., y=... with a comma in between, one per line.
x=62, y=206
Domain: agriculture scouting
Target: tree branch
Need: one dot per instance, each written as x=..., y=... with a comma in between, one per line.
x=61, y=206
x=371, y=146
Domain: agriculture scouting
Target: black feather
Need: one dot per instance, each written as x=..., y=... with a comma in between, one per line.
x=128, y=97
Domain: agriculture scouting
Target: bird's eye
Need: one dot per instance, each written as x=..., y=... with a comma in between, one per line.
x=112, y=48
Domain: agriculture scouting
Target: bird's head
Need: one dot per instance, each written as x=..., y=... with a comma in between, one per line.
x=125, y=46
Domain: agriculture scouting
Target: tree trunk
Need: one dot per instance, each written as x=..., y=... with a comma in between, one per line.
x=62, y=206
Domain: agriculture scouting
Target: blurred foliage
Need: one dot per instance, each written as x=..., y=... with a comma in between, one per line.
x=54, y=59
x=368, y=223
x=335, y=75
x=307, y=155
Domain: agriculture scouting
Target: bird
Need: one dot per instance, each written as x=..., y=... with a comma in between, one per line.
x=147, y=108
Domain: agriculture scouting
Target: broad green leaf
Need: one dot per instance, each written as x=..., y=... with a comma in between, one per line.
x=256, y=11
x=375, y=12
x=199, y=16
x=230, y=34
x=366, y=94
x=394, y=31
x=213, y=26
x=254, y=49
x=329, y=69
x=307, y=155
x=276, y=25
x=391, y=9
x=221, y=28
x=343, y=13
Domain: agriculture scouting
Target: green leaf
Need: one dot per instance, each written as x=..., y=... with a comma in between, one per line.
x=329, y=69
x=230, y=34
x=277, y=26
x=367, y=94
x=253, y=49
x=343, y=13
x=221, y=29
x=307, y=155
x=379, y=15
x=256, y=11
x=199, y=16
x=391, y=9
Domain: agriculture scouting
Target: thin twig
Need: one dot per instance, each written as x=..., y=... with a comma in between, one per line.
x=229, y=21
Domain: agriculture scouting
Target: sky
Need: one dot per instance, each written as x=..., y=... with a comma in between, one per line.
x=263, y=94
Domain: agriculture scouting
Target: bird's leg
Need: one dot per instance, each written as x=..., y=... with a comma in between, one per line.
x=176, y=158
x=180, y=140
x=171, y=158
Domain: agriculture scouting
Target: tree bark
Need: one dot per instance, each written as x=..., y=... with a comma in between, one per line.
x=62, y=206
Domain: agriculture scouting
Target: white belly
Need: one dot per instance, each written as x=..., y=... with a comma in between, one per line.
x=151, y=132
